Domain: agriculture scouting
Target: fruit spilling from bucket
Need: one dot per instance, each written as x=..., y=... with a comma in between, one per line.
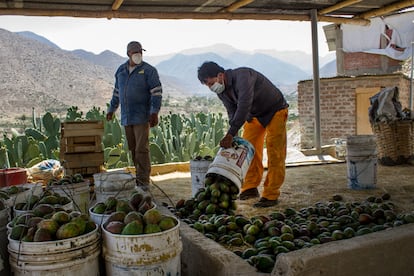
x=217, y=197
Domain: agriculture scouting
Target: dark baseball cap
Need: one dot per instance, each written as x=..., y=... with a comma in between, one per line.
x=134, y=46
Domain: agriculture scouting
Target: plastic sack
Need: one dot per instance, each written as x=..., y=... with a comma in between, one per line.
x=385, y=106
x=46, y=170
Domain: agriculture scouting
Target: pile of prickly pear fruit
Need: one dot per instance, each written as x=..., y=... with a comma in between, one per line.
x=67, y=179
x=260, y=239
x=218, y=196
x=46, y=197
x=137, y=202
x=136, y=223
x=53, y=225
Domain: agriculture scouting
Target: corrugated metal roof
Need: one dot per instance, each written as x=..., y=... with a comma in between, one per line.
x=336, y=11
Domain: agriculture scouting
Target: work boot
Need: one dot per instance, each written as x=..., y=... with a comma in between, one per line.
x=250, y=193
x=264, y=202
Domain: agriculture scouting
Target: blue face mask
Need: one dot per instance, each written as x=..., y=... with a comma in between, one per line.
x=217, y=87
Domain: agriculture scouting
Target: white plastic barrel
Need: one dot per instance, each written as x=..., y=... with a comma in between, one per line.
x=361, y=161
x=139, y=255
x=198, y=169
x=233, y=163
x=118, y=184
x=79, y=193
x=78, y=256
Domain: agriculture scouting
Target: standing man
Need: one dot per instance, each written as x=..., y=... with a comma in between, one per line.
x=254, y=103
x=139, y=93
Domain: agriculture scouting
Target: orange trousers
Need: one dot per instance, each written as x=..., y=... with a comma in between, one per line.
x=274, y=135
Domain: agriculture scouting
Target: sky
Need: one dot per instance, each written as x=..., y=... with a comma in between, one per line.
x=160, y=37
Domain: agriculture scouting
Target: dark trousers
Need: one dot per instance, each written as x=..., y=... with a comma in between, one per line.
x=138, y=143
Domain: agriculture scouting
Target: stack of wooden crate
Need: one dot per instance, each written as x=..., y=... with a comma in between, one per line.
x=81, y=148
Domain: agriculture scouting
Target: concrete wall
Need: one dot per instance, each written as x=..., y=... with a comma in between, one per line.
x=338, y=104
x=385, y=253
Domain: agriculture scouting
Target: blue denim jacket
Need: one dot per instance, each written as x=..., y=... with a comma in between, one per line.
x=139, y=93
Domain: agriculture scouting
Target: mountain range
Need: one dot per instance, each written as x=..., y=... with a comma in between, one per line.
x=37, y=73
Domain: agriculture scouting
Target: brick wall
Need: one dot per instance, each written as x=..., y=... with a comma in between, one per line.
x=338, y=105
x=359, y=63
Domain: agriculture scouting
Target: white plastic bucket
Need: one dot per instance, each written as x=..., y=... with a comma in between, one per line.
x=233, y=163
x=78, y=192
x=198, y=169
x=362, y=162
x=29, y=189
x=4, y=255
x=118, y=184
x=149, y=254
x=67, y=207
x=78, y=256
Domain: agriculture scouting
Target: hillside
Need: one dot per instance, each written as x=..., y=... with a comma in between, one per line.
x=47, y=78
x=37, y=74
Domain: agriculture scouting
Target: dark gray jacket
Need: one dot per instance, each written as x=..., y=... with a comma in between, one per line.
x=250, y=94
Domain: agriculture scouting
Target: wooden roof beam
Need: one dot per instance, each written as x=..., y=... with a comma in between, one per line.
x=338, y=6
x=387, y=9
x=117, y=4
x=179, y=15
x=236, y=5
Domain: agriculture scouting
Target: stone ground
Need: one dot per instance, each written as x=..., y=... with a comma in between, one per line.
x=304, y=186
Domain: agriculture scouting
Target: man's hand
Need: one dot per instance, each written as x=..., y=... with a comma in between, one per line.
x=109, y=116
x=153, y=119
x=227, y=141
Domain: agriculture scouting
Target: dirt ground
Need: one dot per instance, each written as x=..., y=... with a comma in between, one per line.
x=304, y=186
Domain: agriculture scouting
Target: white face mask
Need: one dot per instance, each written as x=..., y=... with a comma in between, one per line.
x=217, y=87
x=136, y=58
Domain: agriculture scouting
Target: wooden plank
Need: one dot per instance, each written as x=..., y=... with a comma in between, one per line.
x=83, y=124
x=82, y=144
x=83, y=132
x=82, y=128
x=83, y=171
x=78, y=160
x=81, y=140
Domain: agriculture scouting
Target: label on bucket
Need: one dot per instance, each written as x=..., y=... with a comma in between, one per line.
x=233, y=163
x=198, y=172
x=362, y=172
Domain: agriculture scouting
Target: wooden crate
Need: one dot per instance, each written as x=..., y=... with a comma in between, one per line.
x=83, y=144
x=83, y=136
x=82, y=128
x=85, y=171
x=82, y=160
x=81, y=147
